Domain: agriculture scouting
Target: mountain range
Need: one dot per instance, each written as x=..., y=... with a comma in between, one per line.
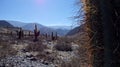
x=4, y=23
x=61, y=30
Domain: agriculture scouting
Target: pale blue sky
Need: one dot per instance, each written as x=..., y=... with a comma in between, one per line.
x=46, y=12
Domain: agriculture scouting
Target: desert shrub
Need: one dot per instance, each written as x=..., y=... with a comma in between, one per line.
x=63, y=47
x=46, y=57
x=65, y=39
x=6, y=50
x=75, y=62
x=36, y=47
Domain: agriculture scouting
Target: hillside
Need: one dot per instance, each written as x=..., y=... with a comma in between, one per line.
x=76, y=30
x=16, y=23
x=4, y=23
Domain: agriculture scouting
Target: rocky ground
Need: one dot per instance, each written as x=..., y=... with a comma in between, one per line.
x=48, y=57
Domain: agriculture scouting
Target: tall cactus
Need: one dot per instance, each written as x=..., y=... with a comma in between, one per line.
x=94, y=29
x=56, y=36
x=11, y=33
x=20, y=33
x=46, y=35
x=36, y=33
x=52, y=36
x=29, y=33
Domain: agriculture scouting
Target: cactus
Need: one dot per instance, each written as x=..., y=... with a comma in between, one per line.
x=11, y=33
x=29, y=33
x=52, y=36
x=46, y=35
x=36, y=33
x=56, y=36
x=20, y=33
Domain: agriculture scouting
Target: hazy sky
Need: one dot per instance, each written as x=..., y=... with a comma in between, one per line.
x=46, y=12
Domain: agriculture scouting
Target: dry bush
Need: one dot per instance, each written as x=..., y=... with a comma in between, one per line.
x=75, y=62
x=63, y=47
x=63, y=44
x=82, y=61
x=46, y=57
x=65, y=40
x=6, y=50
x=36, y=47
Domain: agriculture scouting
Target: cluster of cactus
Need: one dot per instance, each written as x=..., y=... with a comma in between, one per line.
x=20, y=33
x=36, y=33
x=54, y=37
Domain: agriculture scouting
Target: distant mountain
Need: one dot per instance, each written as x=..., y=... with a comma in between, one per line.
x=61, y=30
x=61, y=27
x=31, y=26
x=4, y=23
x=76, y=30
x=17, y=23
x=44, y=29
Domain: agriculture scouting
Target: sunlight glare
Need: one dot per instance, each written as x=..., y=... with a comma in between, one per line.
x=40, y=2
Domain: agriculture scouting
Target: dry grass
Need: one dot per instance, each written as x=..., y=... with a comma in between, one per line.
x=39, y=47
x=64, y=44
x=82, y=60
x=6, y=50
x=46, y=57
x=75, y=62
x=63, y=47
x=64, y=40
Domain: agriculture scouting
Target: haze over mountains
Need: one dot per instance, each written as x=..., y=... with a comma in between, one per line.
x=61, y=30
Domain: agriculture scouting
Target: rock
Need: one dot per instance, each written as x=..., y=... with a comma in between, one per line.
x=45, y=62
x=24, y=50
x=75, y=47
x=48, y=51
x=33, y=59
x=17, y=61
x=29, y=56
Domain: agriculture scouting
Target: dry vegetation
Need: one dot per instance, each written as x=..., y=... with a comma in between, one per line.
x=63, y=47
x=39, y=47
x=82, y=60
x=6, y=50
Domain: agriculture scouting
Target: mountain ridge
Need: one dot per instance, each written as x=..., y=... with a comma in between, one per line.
x=4, y=23
x=44, y=29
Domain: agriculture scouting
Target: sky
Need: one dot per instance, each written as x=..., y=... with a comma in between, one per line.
x=46, y=12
